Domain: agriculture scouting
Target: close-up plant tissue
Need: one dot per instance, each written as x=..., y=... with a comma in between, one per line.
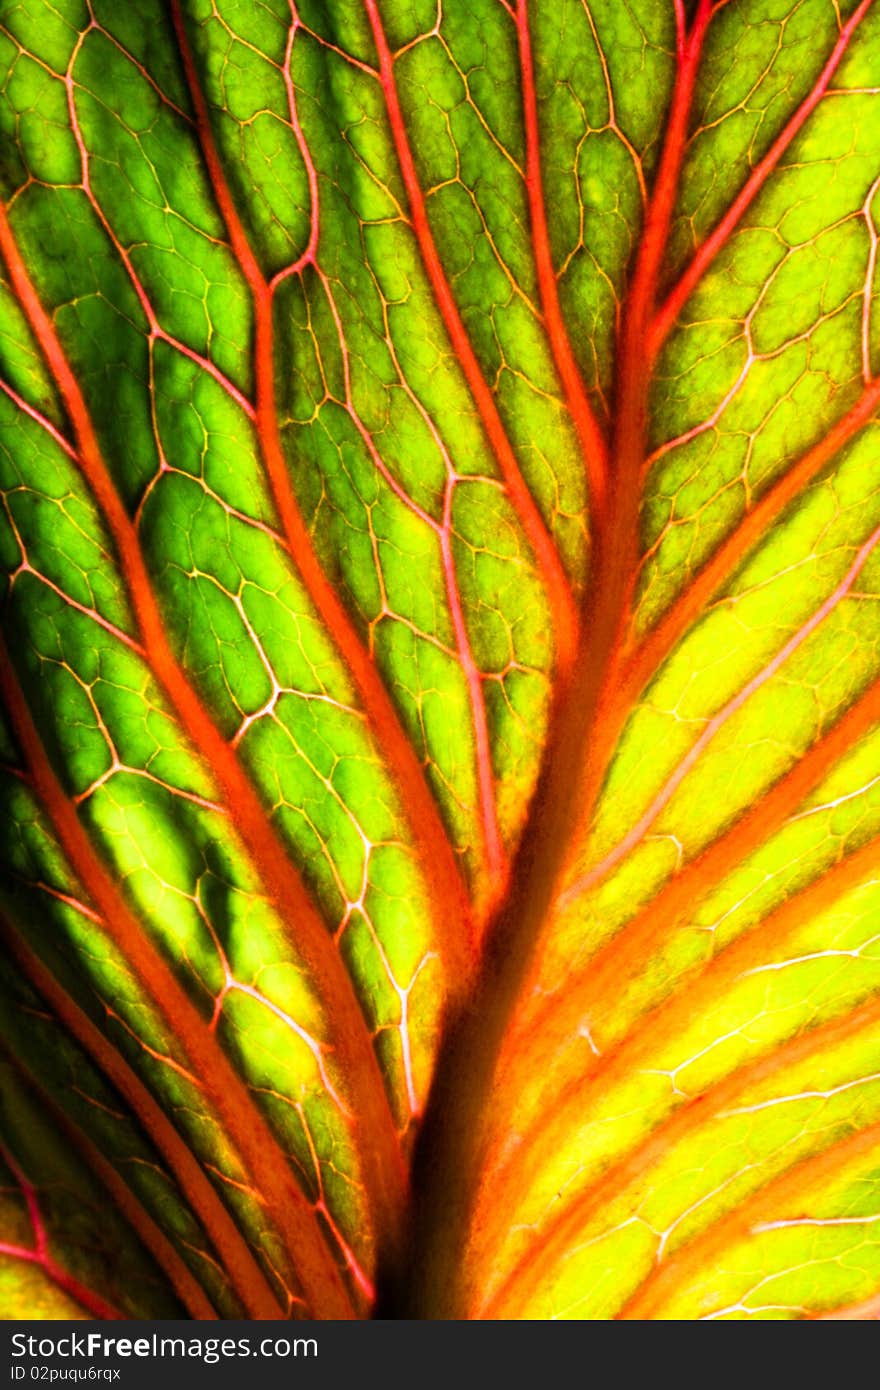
x=440, y=528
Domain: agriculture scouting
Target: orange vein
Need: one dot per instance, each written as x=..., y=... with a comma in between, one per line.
x=534, y=527
x=607, y=972
x=665, y=1022
x=458, y=1121
x=701, y=1254
x=718, y=238
x=544, y=1254
x=245, y=1275
x=592, y=441
x=617, y=543
x=220, y=1083
x=436, y=853
x=172, y=1265
x=575, y=780
x=634, y=367
x=647, y=657
x=381, y=1153
x=716, y=724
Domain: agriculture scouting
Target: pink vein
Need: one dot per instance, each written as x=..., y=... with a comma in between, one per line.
x=67, y=898
x=25, y=567
x=663, y=797
x=309, y=255
x=592, y=442
x=436, y=852
x=706, y=253
x=868, y=290
x=496, y=859
x=495, y=856
x=143, y=72
x=41, y=1254
x=40, y=418
x=156, y=329
x=534, y=527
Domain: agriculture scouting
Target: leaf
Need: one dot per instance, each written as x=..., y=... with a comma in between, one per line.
x=441, y=541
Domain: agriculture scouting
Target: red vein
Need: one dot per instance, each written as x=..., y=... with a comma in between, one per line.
x=534, y=527
x=245, y=1275
x=41, y=1254
x=703, y=1253
x=225, y=1090
x=706, y=253
x=543, y=1254
x=381, y=1155
x=436, y=853
x=591, y=439
x=644, y=662
x=496, y=859
x=151, y=1236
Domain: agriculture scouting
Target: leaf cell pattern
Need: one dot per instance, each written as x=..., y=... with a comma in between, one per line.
x=440, y=539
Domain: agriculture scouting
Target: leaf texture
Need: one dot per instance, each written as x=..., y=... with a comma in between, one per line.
x=441, y=545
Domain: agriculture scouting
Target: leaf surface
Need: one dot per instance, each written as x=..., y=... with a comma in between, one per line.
x=441, y=546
